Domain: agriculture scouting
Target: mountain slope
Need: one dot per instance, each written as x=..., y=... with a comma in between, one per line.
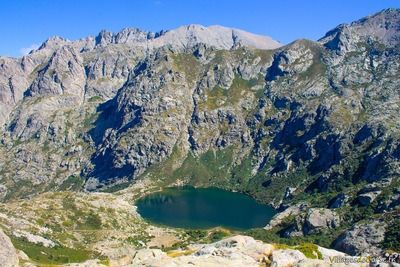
x=310, y=127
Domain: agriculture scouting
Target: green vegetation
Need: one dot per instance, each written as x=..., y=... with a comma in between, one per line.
x=218, y=97
x=166, y=168
x=272, y=236
x=72, y=183
x=206, y=236
x=218, y=235
x=241, y=174
x=276, y=186
x=46, y=146
x=317, y=68
x=139, y=240
x=199, y=237
x=195, y=235
x=116, y=187
x=392, y=237
x=89, y=120
x=95, y=98
x=54, y=255
x=208, y=168
x=85, y=220
x=91, y=221
x=309, y=250
x=187, y=64
x=21, y=187
x=212, y=167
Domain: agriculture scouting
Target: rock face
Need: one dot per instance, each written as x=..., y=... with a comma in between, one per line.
x=362, y=238
x=319, y=219
x=235, y=251
x=216, y=36
x=382, y=27
x=294, y=210
x=212, y=106
x=287, y=257
x=8, y=254
x=63, y=74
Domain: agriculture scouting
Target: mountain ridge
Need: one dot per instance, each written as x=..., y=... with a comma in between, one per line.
x=221, y=37
x=309, y=127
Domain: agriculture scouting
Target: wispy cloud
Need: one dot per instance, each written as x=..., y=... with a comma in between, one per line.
x=26, y=50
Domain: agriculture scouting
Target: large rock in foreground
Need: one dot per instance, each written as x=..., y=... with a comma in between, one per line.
x=8, y=254
x=362, y=238
x=234, y=251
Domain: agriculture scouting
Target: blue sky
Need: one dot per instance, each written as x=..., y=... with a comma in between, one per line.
x=27, y=23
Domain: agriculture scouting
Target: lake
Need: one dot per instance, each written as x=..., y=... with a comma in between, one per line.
x=202, y=208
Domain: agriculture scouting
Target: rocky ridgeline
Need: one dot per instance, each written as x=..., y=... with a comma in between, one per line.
x=234, y=251
x=309, y=127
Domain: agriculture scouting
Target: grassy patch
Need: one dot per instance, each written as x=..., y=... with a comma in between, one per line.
x=55, y=255
x=218, y=235
x=198, y=237
x=208, y=168
x=392, y=237
x=72, y=183
x=166, y=168
x=276, y=185
x=241, y=174
x=218, y=97
x=95, y=98
x=89, y=120
x=178, y=253
x=272, y=236
x=187, y=64
x=91, y=221
x=309, y=250
x=116, y=187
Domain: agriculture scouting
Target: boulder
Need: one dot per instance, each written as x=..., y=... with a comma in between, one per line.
x=286, y=257
x=290, y=211
x=233, y=251
x=319, y=219
x=362, y=239
x=8, y=254
x=367, y=198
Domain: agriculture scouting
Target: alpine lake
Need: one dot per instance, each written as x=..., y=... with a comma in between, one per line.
x=203, y=208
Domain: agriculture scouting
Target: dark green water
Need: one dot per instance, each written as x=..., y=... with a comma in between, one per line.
x=202, y=208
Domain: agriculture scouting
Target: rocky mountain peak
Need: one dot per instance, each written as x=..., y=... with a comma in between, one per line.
x=216, y=36
x=126, y=35
x=53, y=42
x=382, y=27
x=180, y=38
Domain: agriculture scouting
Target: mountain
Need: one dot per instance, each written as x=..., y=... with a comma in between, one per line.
x=382, y=27
x=56, y=48
x=309, y=127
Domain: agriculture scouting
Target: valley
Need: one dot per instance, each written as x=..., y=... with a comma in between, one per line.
x=307, y=133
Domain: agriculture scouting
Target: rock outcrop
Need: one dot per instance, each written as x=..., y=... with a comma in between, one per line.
x=320, y=219
x=8, y=254
x=362, y=238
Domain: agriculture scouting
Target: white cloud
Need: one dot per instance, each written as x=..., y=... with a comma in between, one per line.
x=26, y=50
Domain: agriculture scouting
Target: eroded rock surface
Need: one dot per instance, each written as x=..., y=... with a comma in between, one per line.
x=8, y=254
